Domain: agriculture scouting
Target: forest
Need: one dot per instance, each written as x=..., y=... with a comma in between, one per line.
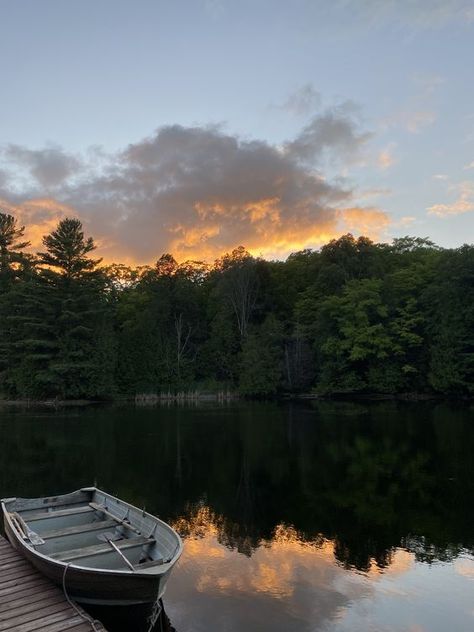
x=354, y=317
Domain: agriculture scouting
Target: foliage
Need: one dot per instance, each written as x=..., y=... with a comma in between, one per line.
x=11, y=245
x=353, y=317
x=261, y=359
x=57, y=333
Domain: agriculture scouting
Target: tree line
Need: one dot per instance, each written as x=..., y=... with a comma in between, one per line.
x=353, y=317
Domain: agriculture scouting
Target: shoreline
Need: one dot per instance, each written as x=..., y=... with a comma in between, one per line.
x=207, y=397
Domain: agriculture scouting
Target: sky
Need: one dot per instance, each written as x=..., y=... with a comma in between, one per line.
x=193, y=127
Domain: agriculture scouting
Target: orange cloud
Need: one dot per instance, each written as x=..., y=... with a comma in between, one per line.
x=40, y=216
x=371, y=222
x=272, y=233
x=463, y=204
x=269, y=230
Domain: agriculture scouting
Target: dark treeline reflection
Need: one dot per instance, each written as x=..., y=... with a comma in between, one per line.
x=368, y=477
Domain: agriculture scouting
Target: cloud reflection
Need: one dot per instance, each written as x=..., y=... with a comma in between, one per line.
x=285, y=583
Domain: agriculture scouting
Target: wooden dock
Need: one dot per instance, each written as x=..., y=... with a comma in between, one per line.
x=29, y=601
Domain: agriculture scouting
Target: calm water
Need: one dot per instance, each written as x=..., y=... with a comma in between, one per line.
x=331, y=517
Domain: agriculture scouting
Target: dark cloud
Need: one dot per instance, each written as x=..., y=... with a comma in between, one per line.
x=197, y=192
x=333, y=133
x=4, y=178
x=200, y=190
x=49, y=166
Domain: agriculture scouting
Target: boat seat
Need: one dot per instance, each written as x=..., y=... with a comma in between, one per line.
x=121, y=521
x=98, y=549
x=40, y=515
x=149, y=563
x=82, y=528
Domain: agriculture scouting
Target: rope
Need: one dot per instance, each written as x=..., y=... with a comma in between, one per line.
x=80, y=612
x=155, y=616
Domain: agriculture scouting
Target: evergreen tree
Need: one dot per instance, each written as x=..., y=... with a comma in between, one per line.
x=11, y=245
x=32, y=337
x=83, y=365
x=14, y=266
x=67, y=250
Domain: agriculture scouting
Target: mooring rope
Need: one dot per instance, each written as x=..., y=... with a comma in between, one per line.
x=155, y=616
x=93, y=622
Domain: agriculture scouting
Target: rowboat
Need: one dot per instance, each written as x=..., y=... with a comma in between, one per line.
x=100, y=549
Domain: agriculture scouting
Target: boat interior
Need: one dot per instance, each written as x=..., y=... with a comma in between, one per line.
x=89, y=528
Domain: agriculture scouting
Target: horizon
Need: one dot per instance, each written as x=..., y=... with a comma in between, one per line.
x=30, y=249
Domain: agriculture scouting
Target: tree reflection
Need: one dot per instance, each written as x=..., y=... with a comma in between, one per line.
x=368, y=477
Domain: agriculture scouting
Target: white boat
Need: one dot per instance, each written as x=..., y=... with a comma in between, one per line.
x=104, y=551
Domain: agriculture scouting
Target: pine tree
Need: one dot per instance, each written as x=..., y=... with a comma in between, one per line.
x=11, y=245
x=83, y=364
x=13, y=263
x=30, y=321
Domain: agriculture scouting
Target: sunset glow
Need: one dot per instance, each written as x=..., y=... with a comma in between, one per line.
x=270, y=232
x=289, y=581
x=207, y=545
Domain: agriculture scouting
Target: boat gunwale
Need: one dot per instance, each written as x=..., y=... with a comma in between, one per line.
x=151, y=572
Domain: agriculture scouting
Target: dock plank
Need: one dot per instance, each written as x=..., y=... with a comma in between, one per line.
x=33, y=615
x=24, y=584
x=29, y=602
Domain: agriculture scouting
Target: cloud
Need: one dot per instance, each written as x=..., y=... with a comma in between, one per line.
x=469, y=165
x=4, y=178
x=368, y=221
x=374, y=192
x=39, y=215
x=463, y=204
x=385, y=158
x=406, y=220
x=49, y=167
x=440, y=176
x=197, y=192
x=303, y=101
x=334, y=132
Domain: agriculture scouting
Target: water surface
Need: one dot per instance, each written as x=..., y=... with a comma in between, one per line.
x=337, y=517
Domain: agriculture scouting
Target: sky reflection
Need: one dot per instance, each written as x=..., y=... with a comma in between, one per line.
x=286, y=583
x=325, y=517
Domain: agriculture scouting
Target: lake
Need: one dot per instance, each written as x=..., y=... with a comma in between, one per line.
x=316, y=516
